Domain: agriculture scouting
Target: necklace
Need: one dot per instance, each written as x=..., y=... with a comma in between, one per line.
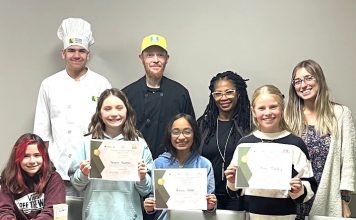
x=217, y=144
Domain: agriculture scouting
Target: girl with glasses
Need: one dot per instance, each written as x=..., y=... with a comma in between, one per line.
x=182, y=141
x=329, y=133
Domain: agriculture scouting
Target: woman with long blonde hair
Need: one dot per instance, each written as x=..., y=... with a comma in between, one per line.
x=329, y=133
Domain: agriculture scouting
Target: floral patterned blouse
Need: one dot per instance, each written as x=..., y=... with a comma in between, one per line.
x=318, y=148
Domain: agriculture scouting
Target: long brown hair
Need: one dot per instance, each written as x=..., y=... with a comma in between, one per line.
x=326, y=120
x=97, y=127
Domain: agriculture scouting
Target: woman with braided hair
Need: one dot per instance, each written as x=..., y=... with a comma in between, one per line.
x=225, y=120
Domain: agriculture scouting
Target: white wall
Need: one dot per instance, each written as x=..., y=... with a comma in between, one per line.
x=263, y=40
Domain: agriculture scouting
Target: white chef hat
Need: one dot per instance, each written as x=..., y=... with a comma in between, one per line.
x=75, y=31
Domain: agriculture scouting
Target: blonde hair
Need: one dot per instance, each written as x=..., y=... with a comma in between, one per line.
x=278, y=96
x=325, y=119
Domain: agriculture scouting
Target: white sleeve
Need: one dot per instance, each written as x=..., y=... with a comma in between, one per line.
x=42, y=123
x=347, y=135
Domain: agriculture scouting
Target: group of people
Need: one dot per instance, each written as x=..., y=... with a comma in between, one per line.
x=157, y=112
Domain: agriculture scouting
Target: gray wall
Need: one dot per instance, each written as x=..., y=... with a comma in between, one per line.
x=261, y=39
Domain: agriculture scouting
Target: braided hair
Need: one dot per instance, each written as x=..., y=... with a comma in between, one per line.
x=241, y=115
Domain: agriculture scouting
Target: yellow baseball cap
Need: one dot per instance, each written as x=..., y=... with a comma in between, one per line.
x=153, y=40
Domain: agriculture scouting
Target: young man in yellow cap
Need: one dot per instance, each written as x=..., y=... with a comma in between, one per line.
x=67, y=99
x=154, y=97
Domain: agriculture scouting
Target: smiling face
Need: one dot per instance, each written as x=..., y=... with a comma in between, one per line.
x=154, y=60
x=75, y=58
x=182, y=136
x=225, y=96
x=113, y=113
x=32, y=161
x=307, y=88
x=268, y=113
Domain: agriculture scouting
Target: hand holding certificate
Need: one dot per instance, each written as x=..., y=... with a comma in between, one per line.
x=180, y=188
x=264, y=166
x=114, y=160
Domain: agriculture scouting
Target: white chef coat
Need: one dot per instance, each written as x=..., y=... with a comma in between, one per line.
x=64, y=110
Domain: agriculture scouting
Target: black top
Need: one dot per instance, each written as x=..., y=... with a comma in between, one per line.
x=210, y=150
x=271, y=203
x=155, y=108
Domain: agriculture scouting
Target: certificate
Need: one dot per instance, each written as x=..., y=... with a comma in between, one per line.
x=180, y=188
x=114, y=160
x=264, y=166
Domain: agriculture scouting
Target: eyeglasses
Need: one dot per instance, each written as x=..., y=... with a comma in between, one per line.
x=187, y=132
x=306, y=79
x=230, y=93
